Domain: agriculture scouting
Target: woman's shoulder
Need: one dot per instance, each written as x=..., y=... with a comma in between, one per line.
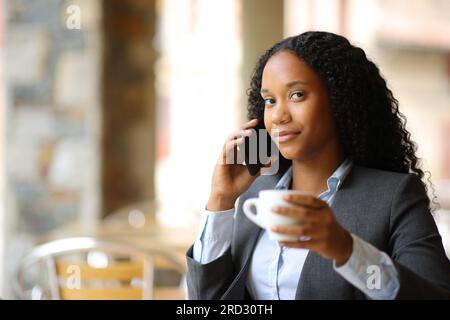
x=379, y=178
x=375, y=172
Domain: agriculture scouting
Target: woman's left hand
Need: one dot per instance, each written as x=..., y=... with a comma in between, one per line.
x=326, y=236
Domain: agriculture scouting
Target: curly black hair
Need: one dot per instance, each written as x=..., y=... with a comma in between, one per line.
x=371, y=128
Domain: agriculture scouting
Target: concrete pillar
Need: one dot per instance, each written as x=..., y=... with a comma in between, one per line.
x=128, y=145
x=262, y=26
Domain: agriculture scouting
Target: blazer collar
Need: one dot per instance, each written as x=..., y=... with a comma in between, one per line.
x=250, y=230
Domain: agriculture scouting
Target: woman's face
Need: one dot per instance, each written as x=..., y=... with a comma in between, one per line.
x=297, y=104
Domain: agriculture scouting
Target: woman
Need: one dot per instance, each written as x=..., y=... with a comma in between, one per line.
x=369, y=231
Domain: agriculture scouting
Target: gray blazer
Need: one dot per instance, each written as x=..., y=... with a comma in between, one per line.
x=387, y=209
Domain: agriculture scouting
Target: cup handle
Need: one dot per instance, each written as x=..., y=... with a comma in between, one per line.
x=249, y=213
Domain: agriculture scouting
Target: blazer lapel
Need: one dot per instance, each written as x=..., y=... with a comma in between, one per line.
x=248, y=232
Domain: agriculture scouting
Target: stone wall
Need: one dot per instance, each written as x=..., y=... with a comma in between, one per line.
x=53, y=123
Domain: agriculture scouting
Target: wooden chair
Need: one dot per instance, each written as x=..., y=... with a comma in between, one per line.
x=90, y=268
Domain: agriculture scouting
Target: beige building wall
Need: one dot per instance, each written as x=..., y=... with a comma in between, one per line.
x=262, y=23
x=409, y=42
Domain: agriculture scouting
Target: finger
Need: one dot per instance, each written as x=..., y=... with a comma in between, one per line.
x=232, y=144
x=240, y=156
x=297, y=231
x=303, y=214
x=305, y=200
x=308, y=244
x=250, y=124
x=230, y=152
x=238, y=134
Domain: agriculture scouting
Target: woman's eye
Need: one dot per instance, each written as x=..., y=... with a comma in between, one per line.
x=269, y=102
x=297, y=95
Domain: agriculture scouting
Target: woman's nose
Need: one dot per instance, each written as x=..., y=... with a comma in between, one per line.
x=281, y=114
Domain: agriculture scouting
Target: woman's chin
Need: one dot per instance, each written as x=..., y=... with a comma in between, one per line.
x=291, y=154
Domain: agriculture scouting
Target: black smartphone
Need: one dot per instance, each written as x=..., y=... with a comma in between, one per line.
x=258, y=148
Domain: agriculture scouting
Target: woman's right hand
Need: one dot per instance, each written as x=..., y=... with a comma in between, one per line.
x=231, y=177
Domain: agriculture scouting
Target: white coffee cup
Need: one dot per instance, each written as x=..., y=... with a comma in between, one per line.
x=266, y=218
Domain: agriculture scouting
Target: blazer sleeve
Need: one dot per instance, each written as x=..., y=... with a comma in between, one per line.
x=209, y=281
x=416, y=246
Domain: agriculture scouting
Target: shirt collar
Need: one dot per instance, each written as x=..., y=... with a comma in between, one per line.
x=333, y=182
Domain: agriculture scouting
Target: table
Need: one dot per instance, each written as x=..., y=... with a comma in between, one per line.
x=151, y=236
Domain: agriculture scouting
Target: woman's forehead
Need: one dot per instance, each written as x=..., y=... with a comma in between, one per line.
x=286, y=67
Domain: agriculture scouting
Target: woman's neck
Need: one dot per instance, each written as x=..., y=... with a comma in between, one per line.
x=311, y=175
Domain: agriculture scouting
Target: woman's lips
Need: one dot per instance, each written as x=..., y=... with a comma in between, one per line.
x=288, y=137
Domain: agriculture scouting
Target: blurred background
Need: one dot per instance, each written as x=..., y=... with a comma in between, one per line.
x=113, y=113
